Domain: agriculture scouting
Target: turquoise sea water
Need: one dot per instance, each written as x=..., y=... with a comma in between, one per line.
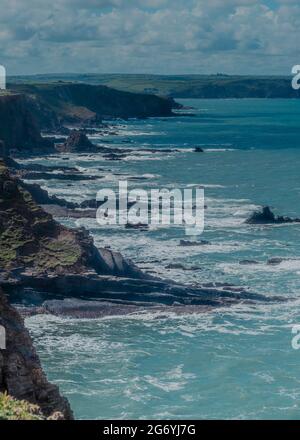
x=236, y=362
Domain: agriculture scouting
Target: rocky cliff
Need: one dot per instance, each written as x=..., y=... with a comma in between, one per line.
x=18, y=127
x=30, y=239
x=21, y=375
x=87, y=104
x=42, y=260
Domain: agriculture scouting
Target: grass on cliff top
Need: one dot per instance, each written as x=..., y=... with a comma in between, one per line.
x=12, y=409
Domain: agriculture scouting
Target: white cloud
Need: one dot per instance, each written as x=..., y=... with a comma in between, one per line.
x=166, y=36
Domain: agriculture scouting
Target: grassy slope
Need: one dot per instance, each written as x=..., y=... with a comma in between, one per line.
x=184, y=86
x=13, y=409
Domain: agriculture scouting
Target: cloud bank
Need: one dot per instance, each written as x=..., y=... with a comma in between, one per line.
x=150, y=36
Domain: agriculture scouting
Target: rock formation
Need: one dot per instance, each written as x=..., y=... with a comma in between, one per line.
x=39, y=254
x=31, y=239
x=21, y=375
x=83, y=104
x=266, y=216
x=77, y=142
x=18, y=128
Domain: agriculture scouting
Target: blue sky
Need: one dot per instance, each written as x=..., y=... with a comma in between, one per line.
x=150, y=36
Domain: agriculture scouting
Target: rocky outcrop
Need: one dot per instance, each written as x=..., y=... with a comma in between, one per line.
x=85, y=104
x=266, y=216
x=77, y=142
x=37, y=254
x=21, y=375
x=18, y=128
x=30, y=239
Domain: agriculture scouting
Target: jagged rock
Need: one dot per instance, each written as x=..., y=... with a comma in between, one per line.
x=41, y=255
x=21, y=375
x=198, y=150
x=42, y=197
x=33, y=240
x=193, y=243
x=266, y=216
x=77, y=142
x=19, y=129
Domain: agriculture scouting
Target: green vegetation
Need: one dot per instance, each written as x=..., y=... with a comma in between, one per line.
x=52, y=103
x=29, y=237
x=13, y=409
x=63, y=252
x=180, y=86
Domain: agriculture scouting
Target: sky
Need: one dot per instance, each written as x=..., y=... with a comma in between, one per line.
x=150, y=36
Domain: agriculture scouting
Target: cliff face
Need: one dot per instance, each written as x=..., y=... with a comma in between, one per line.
x=18, y=127
x=83, y=103
x=31, y=240
x=21, y=375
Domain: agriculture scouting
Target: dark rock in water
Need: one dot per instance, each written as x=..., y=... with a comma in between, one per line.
x=277, y=260
x=77, y=142
x=36, y=175
x=193, y=243
x=198, y=150
x=114, y=156
x=182, y=267
x=94, y=204
x=61, y=211
x=248, y=262
x=42, y=197
x=21, y=374
x=142, y=226
x=266, y=216
x=274, y=261
x=175, y=266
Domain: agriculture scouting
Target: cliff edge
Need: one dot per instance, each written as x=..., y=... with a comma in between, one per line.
x=21, y=374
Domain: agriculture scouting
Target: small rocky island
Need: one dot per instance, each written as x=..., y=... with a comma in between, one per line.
x=267, y=217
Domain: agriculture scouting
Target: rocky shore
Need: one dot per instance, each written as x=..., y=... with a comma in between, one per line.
x=39, y=253
x=48, y=268
x=21, y=374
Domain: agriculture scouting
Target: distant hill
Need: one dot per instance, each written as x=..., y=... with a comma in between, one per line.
x=182, y=86
x=56, y=103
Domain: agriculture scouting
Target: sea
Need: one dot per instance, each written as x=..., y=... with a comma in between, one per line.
x=234, y=362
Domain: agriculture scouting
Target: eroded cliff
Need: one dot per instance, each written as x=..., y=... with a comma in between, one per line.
x=21, y=374
x=18, y=127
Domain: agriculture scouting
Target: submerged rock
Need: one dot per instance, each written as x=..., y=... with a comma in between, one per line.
x=193, y=243
x=248, y=262
x=182, y=267
x=142, y=226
